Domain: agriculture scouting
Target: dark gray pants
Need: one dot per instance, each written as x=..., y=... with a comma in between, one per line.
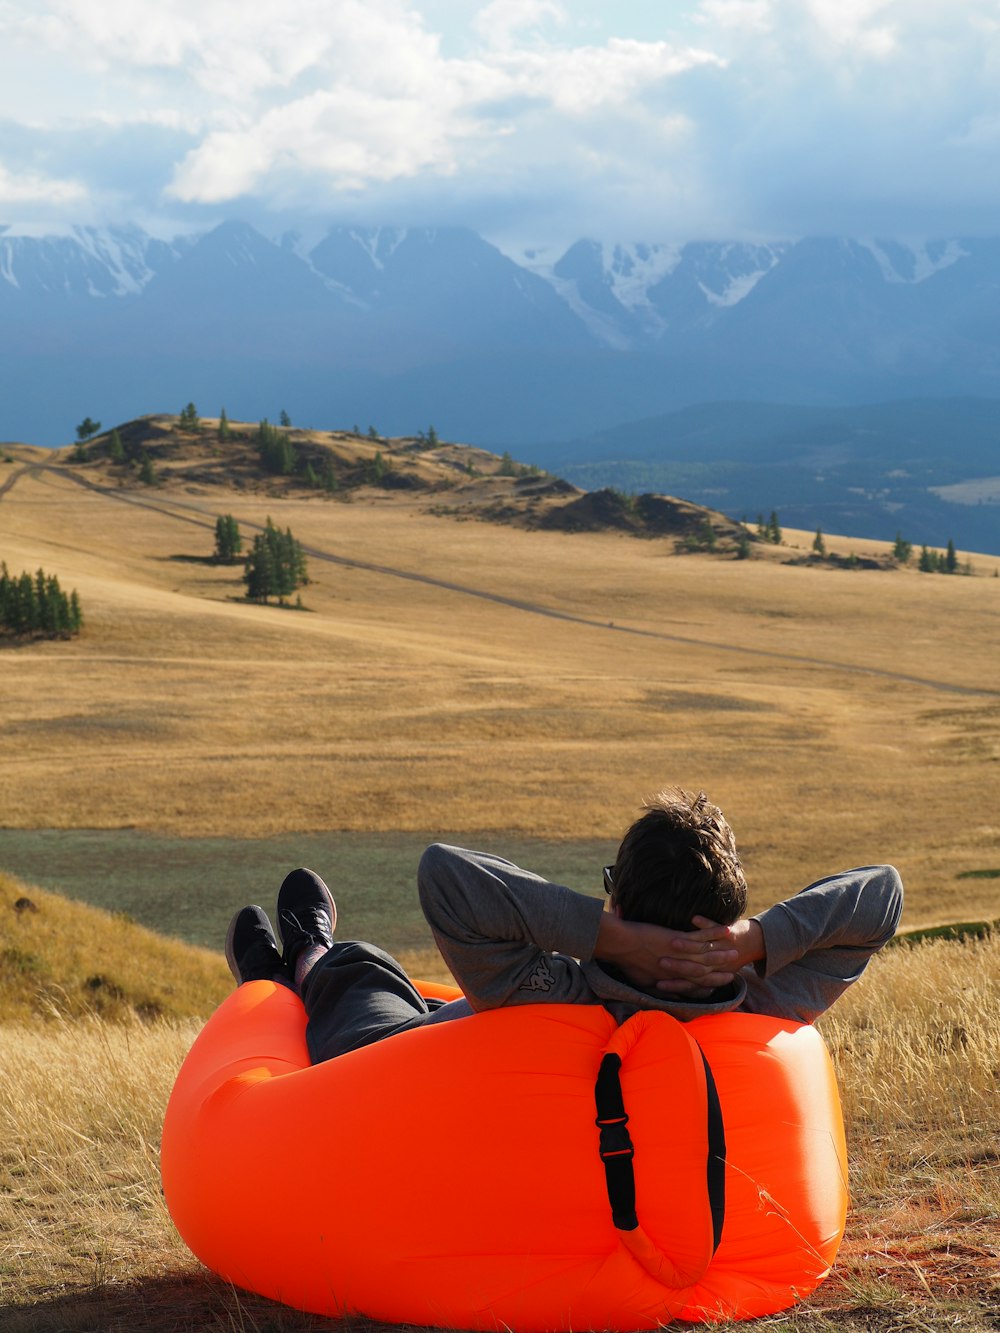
x=357, y=994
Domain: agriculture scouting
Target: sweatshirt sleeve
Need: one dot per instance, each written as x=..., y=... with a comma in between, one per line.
x=508, y=936
x=820, y=941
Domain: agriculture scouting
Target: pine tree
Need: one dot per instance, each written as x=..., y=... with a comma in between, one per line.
x=37, y=606
x=285, y=419
x=927, y=563
x=773, y=529
x=57, y=609
x=819, y=545
x=901, y=550
x=296, y=559
x=47, y=599
x=288, y=563
x=951, y=558
x=146, y=473
x=432, y=438
x=377, y=468
x=259, y=573
x=276, y=565
x=277, y=453
x=87, y=428
x=116, y=450
x=743, y=545
x=26, y=604
x=228, y=542
x=188, y=419
x=225, y=433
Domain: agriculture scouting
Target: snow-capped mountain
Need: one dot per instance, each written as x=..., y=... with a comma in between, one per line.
x=631, y=293
x=413, y=325
x=86, y=262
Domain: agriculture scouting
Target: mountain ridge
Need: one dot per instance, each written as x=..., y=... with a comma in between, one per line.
x=825, y=320
x=514, y=352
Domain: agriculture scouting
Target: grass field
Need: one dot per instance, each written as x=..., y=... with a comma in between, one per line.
x=836, y=716
x=190, y=887
x=86, y=1243
x=451, y=677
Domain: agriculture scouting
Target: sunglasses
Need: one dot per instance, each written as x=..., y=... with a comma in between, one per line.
x=609, y=879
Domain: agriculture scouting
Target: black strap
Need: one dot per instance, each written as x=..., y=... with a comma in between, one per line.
x=617, y=1152
x=616, y=1144
x=716, y=1155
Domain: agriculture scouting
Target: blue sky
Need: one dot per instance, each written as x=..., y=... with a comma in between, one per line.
x=532, y=121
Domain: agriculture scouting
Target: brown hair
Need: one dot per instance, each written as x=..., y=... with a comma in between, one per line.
x=677, y=861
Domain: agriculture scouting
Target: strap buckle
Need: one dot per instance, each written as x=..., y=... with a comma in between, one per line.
x=615, y=1140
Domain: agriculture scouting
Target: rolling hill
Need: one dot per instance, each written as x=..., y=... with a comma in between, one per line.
x=452, y=676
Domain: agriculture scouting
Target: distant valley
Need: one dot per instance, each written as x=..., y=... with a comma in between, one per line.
x=927, y=468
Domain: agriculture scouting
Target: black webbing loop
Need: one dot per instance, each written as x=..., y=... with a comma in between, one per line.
x=616, y=1144
x=716, y=1156
x=617, y=1152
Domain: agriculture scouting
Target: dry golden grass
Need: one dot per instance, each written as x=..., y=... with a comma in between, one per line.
x=87, y=1245
x=65, y=960
x=837, y=716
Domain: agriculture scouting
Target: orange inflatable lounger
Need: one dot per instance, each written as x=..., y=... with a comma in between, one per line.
x=533, y=1168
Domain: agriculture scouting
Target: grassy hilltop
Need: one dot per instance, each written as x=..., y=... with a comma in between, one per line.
x=481, y=647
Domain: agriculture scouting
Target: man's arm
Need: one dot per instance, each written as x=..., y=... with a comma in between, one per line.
x=511, y=937
x=812, y=946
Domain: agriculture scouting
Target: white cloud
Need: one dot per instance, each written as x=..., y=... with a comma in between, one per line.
x=729, y=116
x=18, y=188
x=347, y=139
x=587, y=78
x=751, y=15
x=393, y=109
x=501, y=21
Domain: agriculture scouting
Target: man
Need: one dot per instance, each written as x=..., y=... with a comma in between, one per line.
x=675, y=937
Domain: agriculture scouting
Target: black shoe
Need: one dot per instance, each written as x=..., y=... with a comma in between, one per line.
x=251, y=949
x=307, y=914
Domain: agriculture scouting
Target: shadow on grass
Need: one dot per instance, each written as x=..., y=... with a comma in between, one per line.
x=177, y=1303
x=203, y=1303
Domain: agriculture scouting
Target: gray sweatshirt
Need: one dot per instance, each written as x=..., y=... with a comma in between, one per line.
x=511, y=937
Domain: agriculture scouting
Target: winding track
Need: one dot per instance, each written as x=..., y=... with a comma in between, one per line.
x=201, y=517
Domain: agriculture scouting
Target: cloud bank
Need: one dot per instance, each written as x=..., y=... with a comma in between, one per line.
x=530, y=120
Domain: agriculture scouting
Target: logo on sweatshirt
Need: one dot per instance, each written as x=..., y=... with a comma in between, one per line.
x=540, y=979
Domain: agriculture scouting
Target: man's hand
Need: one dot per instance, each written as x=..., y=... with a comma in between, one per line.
x=691, y=962
x=746, y=937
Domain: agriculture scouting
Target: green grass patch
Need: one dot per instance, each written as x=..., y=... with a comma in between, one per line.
x=957, y=930
x=189, y=888
x=978, y=874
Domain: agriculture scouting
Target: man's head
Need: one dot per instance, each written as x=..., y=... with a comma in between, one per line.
x=677, y=861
